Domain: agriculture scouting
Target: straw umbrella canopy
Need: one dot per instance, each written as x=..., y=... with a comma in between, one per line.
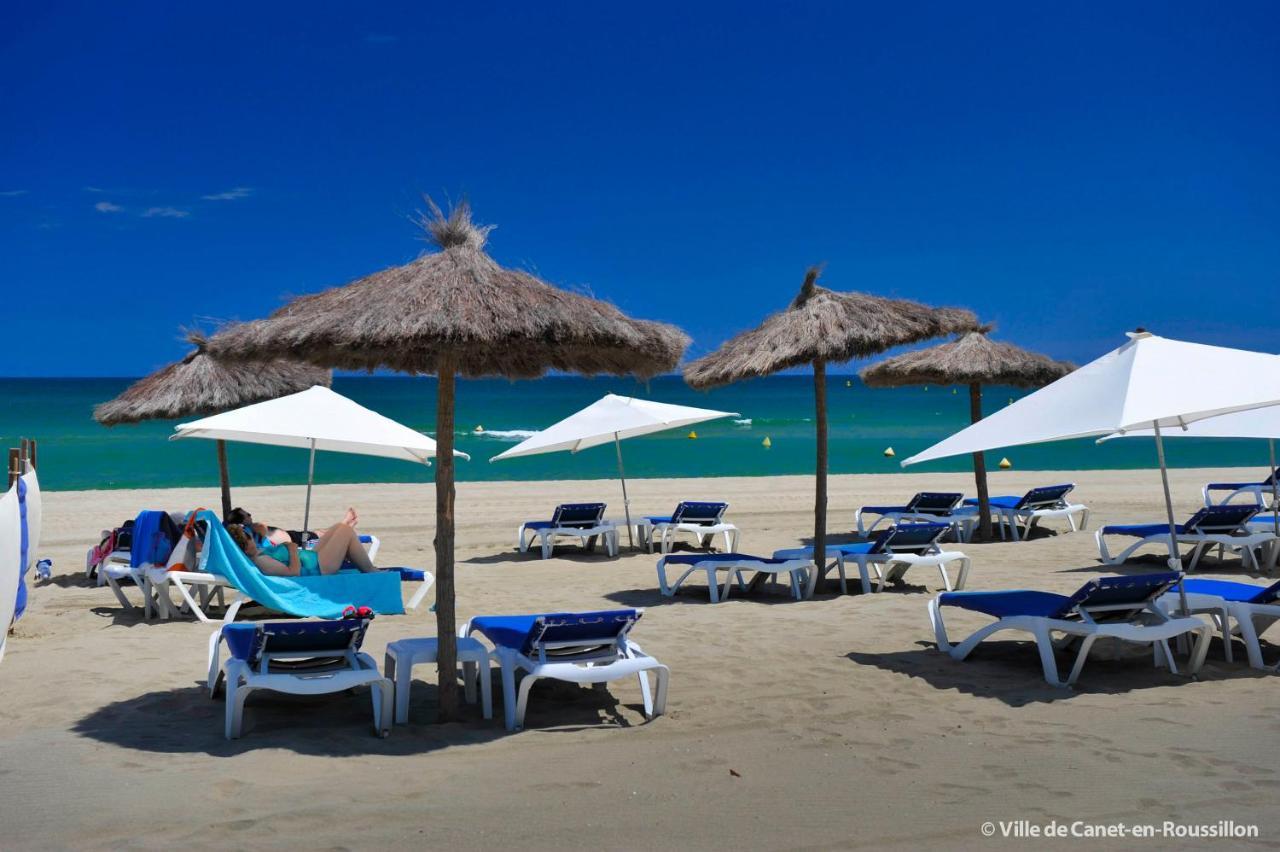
x=823, y=327
x=456, y=312
x=974, y=360
x=201, y=384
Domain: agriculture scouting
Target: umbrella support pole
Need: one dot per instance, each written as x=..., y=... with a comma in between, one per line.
x=446, y=623
x=224, y=479
x=1175, y=559
x=626, y=503
x=980, y=467
x=820, y=489
x=1275, y=506
x=311, y=475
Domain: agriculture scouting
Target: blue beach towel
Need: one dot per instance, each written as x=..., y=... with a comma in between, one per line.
x=321, y=597
x=20, y=603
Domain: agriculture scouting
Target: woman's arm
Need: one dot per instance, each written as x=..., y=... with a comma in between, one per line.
x=276, y=568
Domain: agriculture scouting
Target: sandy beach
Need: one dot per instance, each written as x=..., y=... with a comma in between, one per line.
x=829, y=723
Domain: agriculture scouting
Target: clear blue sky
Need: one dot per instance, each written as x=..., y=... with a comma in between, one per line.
x=1067, y=170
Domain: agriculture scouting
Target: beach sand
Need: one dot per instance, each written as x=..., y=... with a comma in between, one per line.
x=824, y=723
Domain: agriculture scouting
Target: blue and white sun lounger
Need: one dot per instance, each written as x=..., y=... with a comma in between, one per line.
x=1259, y=492
x=199, y=589
x=703, y=520
x=578, y=647
x=1213, y=526
x=583, y=521
x=1240, y=610
x=223, y=563
x=1019, y=515
x=734, y=564
x=926, y=506
x=297, y=657
x=891, y=552
x=1121, y=608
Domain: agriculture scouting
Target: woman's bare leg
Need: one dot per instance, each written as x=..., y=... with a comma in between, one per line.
x=338, y=544
x=331, y=548
x=358, y=555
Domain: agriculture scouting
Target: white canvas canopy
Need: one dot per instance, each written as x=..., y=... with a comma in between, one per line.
x=315, y=419
x=609, y=420
x=1257, y=423
x=1148, y=383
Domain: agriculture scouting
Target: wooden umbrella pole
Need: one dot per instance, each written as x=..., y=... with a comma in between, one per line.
x=980, y=466
x=224, y=478
x=820, y=490
x=446, y=629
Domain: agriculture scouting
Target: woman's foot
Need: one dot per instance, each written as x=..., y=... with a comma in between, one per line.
x=351, y=519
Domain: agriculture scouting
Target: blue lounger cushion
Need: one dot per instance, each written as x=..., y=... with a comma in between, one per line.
x=571, y=516
x=247, y=641
x=521, y=632
x=885, y=510
x=1100, y=592
x=1219, y=519
x=1142, y=530
x=1015, y=602
x=1234, y=592
x=697, y=513
x=695, y=558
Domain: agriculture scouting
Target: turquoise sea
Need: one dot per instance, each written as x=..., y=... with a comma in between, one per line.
x=77, y=453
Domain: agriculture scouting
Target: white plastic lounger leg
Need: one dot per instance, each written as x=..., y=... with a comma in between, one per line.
x=428, y=581
x=522, y=702
x=195, y=608
x=939, y=628
x=119, y=593
x=215, y=664
x=1086, y=643
x=237, y=694
x=381, y=692
x=1249, y=634
x=507, y=666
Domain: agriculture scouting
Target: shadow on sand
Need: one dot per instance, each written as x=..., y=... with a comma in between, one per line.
x=186, y=720
x=1009, y=671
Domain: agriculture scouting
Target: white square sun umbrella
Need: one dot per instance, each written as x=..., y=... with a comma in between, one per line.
x=1150, y=383
x=609, y=420
x=315, y=419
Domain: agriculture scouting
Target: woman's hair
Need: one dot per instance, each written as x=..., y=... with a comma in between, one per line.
x=237, y=516
x=240, y=535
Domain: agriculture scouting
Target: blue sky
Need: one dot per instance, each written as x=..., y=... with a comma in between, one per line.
x=1069, y=171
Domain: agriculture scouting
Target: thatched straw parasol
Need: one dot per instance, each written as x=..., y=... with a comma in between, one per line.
x=824, y=326
x=456, y=312
x=974, y=360
x=200, y=384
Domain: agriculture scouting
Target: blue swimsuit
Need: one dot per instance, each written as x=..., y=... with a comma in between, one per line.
x=310, y=561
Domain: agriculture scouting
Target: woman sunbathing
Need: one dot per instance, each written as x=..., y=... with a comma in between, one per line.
x=336, y=545
x=276, y=535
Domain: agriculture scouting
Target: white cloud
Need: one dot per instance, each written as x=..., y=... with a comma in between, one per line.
x=107, y=207
x=230, y=194
x=12, y=193
x=165, y=213
x=93, y=189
